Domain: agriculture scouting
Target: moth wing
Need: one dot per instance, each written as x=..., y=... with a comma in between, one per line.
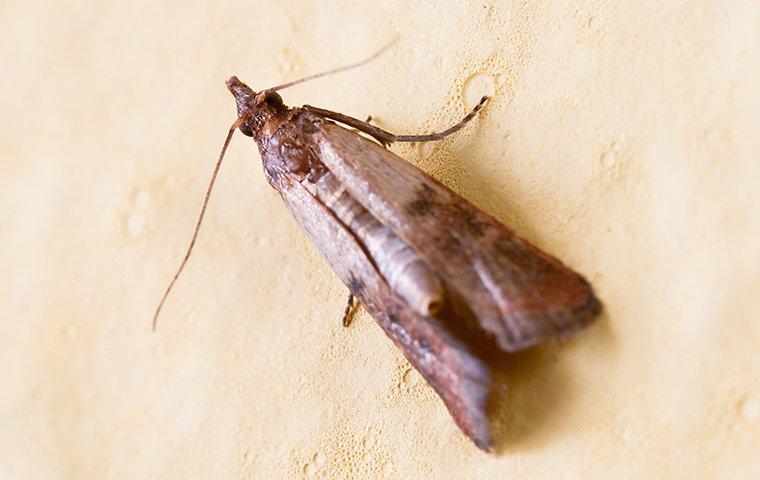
x=520, y=295
x=456, y=374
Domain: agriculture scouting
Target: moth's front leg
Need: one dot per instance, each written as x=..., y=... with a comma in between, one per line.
x=385, y=137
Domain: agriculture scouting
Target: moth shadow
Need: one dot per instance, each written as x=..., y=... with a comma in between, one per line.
x=534, y=390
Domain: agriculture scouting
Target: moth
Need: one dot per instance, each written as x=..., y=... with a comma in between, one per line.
x=443, y=279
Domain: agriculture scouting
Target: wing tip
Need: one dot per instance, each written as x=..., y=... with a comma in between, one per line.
x=533, y=328
x=475, y=387
x=467, y=401
x=476, y=378
x=485, y=442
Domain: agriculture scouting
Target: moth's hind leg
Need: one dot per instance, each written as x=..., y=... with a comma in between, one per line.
x=386, y=137
x=347, y=317
x=441, y=135
x=367, y=121
x=379, y=134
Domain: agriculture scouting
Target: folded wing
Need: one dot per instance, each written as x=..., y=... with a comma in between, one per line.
x=456, y=374
x=519, y=294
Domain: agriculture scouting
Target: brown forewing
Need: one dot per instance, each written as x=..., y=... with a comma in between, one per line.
x=448, y=365
x=519, y=294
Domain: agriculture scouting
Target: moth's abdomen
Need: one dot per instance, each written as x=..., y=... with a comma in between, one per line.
x=402, y=267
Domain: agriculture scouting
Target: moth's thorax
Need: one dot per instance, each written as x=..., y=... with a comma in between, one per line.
x=287, y=145
x=284, y=135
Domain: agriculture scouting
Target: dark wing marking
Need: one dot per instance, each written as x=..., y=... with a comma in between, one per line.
x=456, y=374
x=519, y=294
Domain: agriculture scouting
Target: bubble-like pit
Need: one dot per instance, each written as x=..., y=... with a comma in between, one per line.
x=476, y=86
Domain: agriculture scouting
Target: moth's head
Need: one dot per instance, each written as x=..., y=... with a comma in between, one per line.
x=258, y=107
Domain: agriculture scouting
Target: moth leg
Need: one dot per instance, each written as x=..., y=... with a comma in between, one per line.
x=347, y=317
x=379, y=134
x=386, y=137
x=369, y=119
x=441, y=135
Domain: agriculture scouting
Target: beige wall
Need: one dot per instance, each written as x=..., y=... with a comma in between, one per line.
x=623, y=138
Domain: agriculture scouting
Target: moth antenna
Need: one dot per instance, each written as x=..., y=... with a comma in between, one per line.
x=335, y=70
x=218, y=165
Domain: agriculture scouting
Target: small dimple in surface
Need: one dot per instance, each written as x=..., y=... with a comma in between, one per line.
x=476, y=87
x=135, y=221
x=135, y=224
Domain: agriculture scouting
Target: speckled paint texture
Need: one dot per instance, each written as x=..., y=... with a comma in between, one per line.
x=622, y=137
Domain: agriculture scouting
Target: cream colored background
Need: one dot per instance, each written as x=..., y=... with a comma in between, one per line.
x=622, y=137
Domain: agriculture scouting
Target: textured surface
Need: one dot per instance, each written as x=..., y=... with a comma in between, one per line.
x=622, y=139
